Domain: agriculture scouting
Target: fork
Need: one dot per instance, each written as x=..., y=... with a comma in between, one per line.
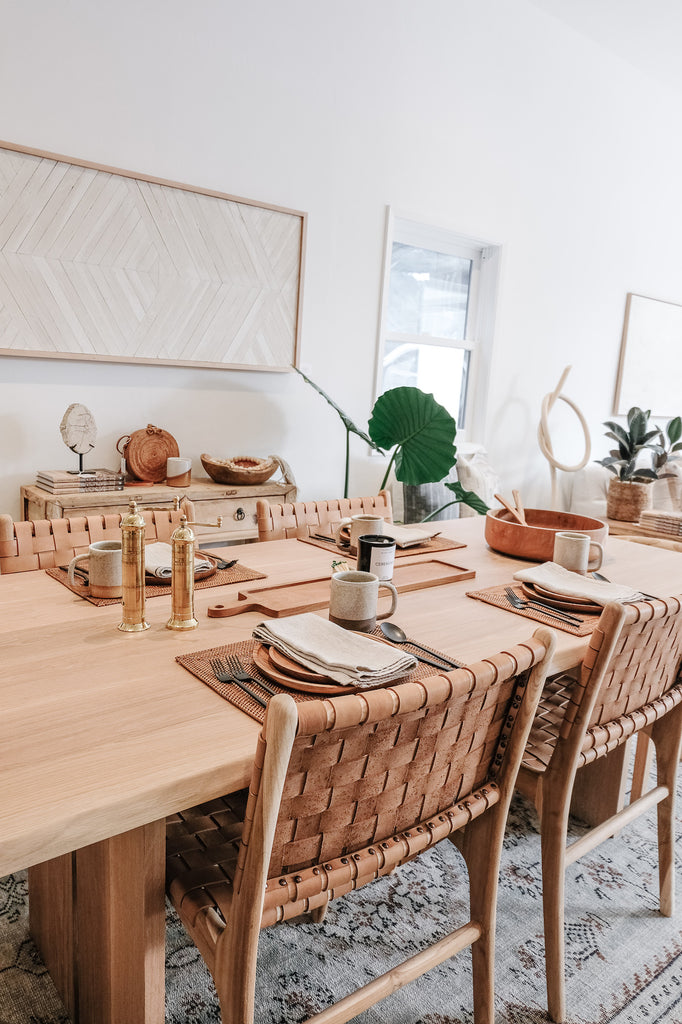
x=241, y=675
x=519, y=602
x=226, y=677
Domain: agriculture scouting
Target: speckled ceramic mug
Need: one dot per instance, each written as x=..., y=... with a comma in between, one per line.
x=354, y=597
x=105, y=570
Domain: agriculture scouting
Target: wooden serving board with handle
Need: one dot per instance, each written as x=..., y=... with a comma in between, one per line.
x=311, y=594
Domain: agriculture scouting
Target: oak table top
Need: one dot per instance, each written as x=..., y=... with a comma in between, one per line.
x=104, y=732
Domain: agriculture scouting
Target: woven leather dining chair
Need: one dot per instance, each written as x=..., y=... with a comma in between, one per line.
x=344, y=790
x=46, y=543
x=628, y=683
x=279, y=521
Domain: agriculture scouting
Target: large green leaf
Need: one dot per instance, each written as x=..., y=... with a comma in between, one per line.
x=421, y=428
x=462, y=497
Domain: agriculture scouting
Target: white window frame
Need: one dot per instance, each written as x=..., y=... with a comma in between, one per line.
x=486, y=259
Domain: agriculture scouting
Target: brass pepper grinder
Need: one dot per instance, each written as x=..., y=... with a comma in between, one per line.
x=182, y=575
x=132, y=544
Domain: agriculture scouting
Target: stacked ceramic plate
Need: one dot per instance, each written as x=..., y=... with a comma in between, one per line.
x=568, y=604
x=286, y=671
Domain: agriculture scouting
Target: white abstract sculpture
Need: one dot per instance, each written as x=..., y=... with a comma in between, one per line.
x=545, y=441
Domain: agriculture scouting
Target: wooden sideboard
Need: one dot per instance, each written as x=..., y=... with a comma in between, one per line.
x=237, y=505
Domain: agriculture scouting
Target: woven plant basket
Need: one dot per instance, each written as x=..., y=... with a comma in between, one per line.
x=626, y=500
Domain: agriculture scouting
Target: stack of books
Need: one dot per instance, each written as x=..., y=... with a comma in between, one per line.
x=60, y=482
x=668, y=524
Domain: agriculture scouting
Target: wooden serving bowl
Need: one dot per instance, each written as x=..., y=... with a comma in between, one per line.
x=536, y=540
x=242, y=469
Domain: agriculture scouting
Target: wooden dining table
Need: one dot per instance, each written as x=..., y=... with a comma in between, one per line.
x=104, y=734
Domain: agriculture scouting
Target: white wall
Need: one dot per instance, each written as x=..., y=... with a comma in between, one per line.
x=488, y=118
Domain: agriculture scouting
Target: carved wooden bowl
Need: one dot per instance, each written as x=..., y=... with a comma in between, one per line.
x=242, y=469
x=536, y=540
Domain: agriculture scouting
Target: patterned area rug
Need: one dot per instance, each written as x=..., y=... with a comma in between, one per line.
x=624, y=961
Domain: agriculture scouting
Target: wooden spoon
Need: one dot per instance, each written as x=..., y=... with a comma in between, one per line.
x=519, y=507
x=510, y=509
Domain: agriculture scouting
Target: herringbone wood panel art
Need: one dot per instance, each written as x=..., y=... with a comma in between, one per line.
x=101, y=265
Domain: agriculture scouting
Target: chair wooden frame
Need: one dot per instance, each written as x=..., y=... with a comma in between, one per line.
x=46, y=543
x=279, y=521
x=343, y=791
x=628, y=685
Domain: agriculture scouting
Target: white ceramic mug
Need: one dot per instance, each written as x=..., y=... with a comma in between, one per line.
x=574, y=551
x=178, y=471
x=353, y=600
x=363, y=522
x=105, y=570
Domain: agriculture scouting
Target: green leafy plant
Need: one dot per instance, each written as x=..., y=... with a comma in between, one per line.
x=623, y=460
x=670, y=445
x=421, y=433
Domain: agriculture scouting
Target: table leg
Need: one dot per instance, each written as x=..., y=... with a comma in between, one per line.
x=114, y=937
x=51, y=924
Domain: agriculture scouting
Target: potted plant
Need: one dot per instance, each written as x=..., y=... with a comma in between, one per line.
x=421, y=434
x=629, y=491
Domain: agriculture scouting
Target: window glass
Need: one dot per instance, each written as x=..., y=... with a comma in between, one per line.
x=428, y=292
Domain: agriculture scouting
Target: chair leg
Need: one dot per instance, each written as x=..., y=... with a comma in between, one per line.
x=478, y=844
x=667, y=737
x=553, y=841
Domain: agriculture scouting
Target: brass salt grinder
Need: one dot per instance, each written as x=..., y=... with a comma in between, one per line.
x=132, y=550
x=182, y=575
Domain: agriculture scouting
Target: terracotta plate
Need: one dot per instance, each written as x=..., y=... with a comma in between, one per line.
x=328, y=688
x=567, y=604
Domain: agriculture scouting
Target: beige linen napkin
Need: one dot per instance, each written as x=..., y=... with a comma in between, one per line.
x=571, y=584
x=158, y=559
x=322, y=646
x=407, y=536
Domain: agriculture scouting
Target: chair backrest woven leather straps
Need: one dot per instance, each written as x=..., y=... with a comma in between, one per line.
x=279, y=521
x=631, y=664
x=46, y=543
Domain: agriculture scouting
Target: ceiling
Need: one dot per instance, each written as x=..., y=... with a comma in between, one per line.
x=645, y=33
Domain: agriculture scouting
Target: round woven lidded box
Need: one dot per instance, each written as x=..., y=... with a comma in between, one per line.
x=146, y=452
x=242, y=469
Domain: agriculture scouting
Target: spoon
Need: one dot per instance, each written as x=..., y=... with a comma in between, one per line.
x=398, y=636
x=510, y=508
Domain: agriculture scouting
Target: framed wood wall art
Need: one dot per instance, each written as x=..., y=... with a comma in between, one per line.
x=650, y=366
x=104, y=264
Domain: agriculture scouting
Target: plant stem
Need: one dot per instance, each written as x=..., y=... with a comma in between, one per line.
x=345, y=483
x=389, y=468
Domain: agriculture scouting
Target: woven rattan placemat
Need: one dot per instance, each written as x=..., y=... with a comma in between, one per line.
x=237, y=574
x=199, y=664
x=497, y=596
x=435, y=544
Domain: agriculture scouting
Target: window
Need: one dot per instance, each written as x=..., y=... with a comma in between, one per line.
x=437, y=318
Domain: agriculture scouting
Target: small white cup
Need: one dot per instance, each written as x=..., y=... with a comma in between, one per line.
x=574, y=551
x=178, y=471
x=353, y=600
x=363, y=522
x=105, y=571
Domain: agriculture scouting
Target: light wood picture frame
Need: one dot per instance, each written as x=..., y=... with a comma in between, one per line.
x=100, y=263
x=650, y=365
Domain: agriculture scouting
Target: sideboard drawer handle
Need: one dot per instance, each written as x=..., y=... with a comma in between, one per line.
x=240, y=514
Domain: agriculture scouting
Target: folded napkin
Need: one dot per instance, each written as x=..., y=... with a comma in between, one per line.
x=322, y=646
x=407, y=536
x=571, y=584
x=158, y=559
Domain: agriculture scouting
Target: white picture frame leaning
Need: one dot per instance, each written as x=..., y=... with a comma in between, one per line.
x=100, y=263
x=650, y=365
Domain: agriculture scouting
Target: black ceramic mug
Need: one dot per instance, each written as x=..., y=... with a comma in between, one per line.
x=376, y=553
